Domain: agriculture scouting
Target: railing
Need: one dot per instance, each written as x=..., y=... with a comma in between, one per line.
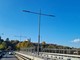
x=49, y=56
x=52, y=50
x=62, y=51
x=27, y=56
x=52, y=54
x=21, y=57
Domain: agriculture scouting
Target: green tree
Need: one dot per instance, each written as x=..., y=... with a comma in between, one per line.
x=51, y=46
x=1, y=47
x=4, y=44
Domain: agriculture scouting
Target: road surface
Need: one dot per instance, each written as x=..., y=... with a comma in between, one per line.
x=8, y=57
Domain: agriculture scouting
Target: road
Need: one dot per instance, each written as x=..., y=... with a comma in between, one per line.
x=8, y=57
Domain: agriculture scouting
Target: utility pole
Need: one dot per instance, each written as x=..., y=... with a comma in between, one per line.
x=39, y=22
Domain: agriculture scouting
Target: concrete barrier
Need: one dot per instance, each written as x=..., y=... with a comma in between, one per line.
x=29, y=56
x=62, y=56
x=66, y=55
x=19, y=58
x=49, y=56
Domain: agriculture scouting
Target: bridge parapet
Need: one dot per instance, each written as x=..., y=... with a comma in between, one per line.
x=30, y=57
x=49, y=56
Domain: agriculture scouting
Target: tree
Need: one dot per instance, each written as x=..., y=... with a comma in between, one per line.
x=51, y=46
x=0, y=37
x=24, y=44
x=4, y=44
x=1, y=47
x=7, y=39
x=1, y=40
x=43, y=44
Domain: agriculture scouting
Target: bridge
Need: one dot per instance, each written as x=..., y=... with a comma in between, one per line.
x=46, y=54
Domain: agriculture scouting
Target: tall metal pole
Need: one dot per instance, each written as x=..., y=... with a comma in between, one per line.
x=39, y=23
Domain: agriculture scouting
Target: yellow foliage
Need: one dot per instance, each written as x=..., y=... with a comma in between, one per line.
x=24, y=44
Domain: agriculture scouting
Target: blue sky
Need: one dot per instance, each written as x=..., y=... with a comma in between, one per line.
x=64, y=29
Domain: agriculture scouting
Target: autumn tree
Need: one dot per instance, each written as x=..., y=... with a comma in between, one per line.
x=43, y=44
x=24, y=44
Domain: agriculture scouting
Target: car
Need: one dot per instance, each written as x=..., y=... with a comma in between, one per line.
x=10, y=53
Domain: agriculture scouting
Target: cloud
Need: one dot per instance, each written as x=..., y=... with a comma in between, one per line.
x=76, y=41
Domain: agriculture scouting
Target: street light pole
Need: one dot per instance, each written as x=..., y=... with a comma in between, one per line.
x=39, y=22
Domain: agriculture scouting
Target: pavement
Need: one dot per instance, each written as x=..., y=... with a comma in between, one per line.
x=8, y=57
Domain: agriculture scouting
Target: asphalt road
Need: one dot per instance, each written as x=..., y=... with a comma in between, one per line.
x=8, y=57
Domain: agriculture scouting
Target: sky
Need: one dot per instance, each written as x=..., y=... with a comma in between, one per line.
x=63, y=29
